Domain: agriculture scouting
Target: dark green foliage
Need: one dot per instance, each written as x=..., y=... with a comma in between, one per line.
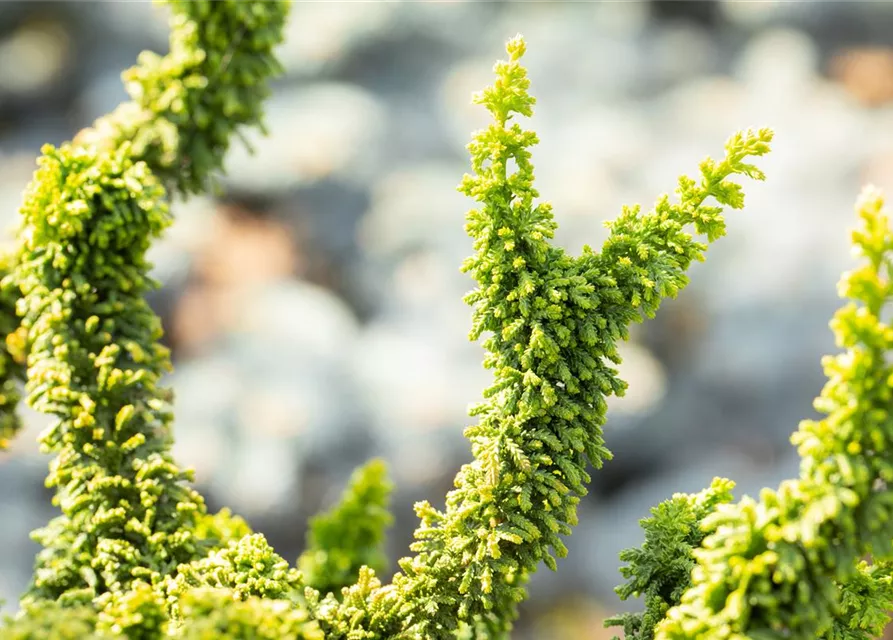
x=866, y=600
x=660, y=570
x=351, y=534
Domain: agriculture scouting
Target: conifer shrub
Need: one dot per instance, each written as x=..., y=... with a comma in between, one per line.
x=811, y=559
x=134, y=552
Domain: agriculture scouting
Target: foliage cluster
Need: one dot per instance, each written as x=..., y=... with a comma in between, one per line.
x=134, y=552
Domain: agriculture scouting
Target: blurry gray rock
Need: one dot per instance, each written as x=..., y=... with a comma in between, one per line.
x=25, y=506
x=318, y=34
x=33, y=58
x=315, y=132
x=146, y=22
x=418, y=386
x=16, y=170
x=277, y=389
x=417, y=207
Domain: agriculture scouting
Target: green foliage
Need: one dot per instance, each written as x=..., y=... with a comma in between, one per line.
x=857, y=596
x=351, y=534
x=185, y=107
x=659, y=571
x=788, y=564
x=94, y=362
x=50, y=620
x=138, y=613
x=12, y=358
x=214, y=614
x=553, y=323
x=246, y=567
x=135, y=553
x=866, y=600
x=187, y=104
x=221, y=528
x=78, y=280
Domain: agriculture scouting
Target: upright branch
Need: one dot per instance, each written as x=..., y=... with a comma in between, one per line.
x=552, y=325
x=351, y=535
x=787, y=565
x=95, y=363
x=185, y=106
x=93, y=356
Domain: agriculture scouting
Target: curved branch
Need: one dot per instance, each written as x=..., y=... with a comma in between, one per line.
x=552, y=323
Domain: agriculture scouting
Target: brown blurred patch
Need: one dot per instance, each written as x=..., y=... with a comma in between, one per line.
x=243, y=252
x=246, y=250
x=866, y=73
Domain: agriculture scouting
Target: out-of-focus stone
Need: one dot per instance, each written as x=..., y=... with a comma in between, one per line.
x=232, y=253
x=277, y=388
x=681, y=51
x=16, y=170
x=866, y=73
x=315, y=132
x=646, y=379
x=318, y=34
x=416, y=207
x=33, y=57
x=244, y=250
x=418, y=386
x=141, y=20
x=302, y=316
x=758, y=65
x=755, y=14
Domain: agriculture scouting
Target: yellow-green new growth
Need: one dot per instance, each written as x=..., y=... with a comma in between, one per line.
x=772, y=567
x=91, y=340
x=553, y=323
x=134, y=552
x=185, y=107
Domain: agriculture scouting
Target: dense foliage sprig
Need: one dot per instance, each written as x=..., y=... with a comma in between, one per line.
x=134, y=552
x=129, y=518
x=553, y=323
x=187, y=104
x=351, y=535
x=185, y=107
x=94, y=362
x=659, y=570
x=788, y=564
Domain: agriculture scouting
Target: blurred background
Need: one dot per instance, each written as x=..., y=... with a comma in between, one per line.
x=314, y=307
